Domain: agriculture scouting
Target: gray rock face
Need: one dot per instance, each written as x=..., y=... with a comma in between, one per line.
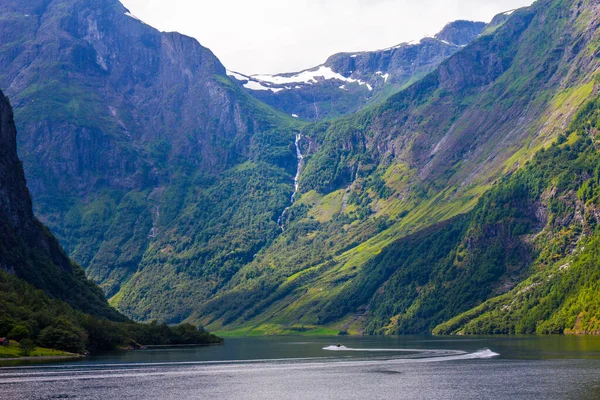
x=347, y=82
x=461, y=33
x=15, y=202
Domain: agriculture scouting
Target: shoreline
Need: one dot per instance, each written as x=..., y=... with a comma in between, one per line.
x=163, y=346
x=40, y=358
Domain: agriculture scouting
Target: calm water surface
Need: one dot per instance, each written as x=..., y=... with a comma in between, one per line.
x=304, y=368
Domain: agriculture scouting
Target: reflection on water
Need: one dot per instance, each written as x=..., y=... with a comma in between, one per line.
x=300, y=368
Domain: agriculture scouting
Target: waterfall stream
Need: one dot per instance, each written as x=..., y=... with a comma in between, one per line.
x=156, y=215
x=300, y=158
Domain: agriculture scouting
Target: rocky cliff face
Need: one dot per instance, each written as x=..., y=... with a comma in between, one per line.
x=15, y=201
x=347, y=82
x=126, y=97
x=27, y=249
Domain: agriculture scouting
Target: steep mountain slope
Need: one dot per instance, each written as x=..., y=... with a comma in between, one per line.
x=347, y=82
x=562, y=294
x=27, y=249
x=423, y=157
x=124, y=131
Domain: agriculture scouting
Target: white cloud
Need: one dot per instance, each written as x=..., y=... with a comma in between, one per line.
x=270, y=36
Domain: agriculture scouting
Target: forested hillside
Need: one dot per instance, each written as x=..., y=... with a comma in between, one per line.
x=128, y=134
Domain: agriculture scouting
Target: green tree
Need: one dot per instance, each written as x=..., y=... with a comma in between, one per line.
x=61, y=339
x=18, y=333
x=26, y=346
x=6, y=325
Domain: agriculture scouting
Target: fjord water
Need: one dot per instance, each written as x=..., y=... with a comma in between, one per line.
x=302, y=368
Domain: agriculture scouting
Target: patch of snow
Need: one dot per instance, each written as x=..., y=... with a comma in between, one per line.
x=509, y=12
x=354, y=55
x=384, y=76
x=445, y=42
x=343, y=87
x=237, y=76
x=308, y=77
x=297, y=87
x=253, y=85
x=295, y=115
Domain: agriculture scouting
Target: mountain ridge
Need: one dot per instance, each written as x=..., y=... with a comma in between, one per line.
x=366, y=77
x=91, y=85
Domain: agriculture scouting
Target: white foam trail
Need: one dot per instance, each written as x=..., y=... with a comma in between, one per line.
x=344, y=348
x=443, y=354
x=485, y=353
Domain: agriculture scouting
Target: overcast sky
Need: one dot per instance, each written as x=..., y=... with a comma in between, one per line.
x=269, y=36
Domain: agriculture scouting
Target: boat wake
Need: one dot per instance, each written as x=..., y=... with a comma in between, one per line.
x=426, y=353
x=58, y=373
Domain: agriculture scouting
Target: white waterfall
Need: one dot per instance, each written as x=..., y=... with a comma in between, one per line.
x=300, y=158
x=156, y=215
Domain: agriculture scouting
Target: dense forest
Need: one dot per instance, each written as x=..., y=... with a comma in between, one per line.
x=28, y=313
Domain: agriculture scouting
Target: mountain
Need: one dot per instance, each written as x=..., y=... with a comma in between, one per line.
x=377, y=184
x=186, y=198
x=347, y=82
x=127, y=131
x=27, y=249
